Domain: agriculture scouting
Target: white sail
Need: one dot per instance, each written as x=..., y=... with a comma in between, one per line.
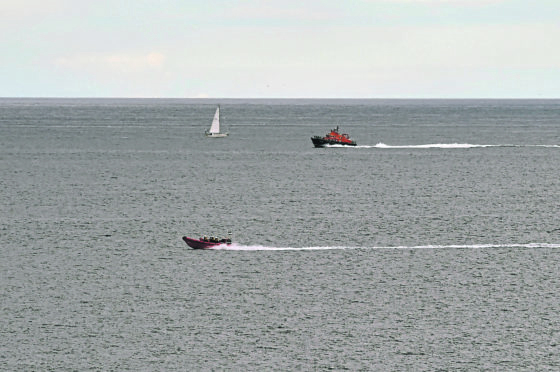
x=215, y=128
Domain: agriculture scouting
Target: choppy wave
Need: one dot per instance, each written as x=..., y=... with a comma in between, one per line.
x=444, y=146
x=241, y=247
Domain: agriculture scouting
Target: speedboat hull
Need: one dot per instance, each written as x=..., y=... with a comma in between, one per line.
x=202, y=244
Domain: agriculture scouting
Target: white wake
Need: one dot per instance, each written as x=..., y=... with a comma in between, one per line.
x=444, y=146
x=242, y=247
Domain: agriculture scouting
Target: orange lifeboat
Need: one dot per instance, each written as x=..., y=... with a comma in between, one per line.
x=333, y=138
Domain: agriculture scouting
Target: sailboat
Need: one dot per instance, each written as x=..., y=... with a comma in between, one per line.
x=214, y=131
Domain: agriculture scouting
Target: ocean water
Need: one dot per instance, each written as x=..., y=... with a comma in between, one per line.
x=432, y=245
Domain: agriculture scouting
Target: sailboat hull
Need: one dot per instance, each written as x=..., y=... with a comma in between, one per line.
x=216, y=135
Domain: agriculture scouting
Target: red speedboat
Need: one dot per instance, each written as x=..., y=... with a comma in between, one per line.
x=333, y=138
x=206, y=242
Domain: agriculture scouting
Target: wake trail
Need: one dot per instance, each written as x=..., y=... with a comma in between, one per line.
x=241, y=247
x=439, y=146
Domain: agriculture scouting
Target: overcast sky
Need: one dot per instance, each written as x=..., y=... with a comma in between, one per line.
x=283, y=48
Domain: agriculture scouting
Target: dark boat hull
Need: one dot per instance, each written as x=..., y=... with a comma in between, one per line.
x=201, y=244
x=322, y=142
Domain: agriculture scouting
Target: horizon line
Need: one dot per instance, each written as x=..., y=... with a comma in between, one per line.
x=284, y=98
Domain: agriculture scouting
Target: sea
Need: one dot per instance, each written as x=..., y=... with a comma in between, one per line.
x=434, y=244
